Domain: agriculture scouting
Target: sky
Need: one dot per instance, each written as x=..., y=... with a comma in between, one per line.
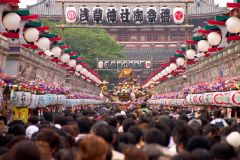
x=24, y=3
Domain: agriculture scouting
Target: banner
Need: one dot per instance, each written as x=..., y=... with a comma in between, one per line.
x=20, y=114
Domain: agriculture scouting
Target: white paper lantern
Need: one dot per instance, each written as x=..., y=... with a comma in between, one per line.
x=203, y=46
x=113, y=17
x=151, y=14
x=48, y=53
x=31, y=35
x=233, y=25
x=72, y=63
x=178, y=15
x=214, y=38
x=71, y=14
x=164, y=72
x=79, y=67
x=173, y=66
x=83, y=71
x=100, y=64
x=43, y=43
x=180, y=61
x=11, y=21
x=169, y=70
x=138, y=11
x=97, y=14
x=191, y=54
x=57, y=51
x=65, y=58
x=77, y=74
x=123, y=17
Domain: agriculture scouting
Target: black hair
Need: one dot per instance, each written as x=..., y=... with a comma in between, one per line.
x=17, y=130
x=59, y=119
x=154, y=135
x=84, y=125
x=4, y=119
x=197, y=142
x=112, y=122
x=127, y=123
x=137, y=132
x=222, y=151
x=106, y=132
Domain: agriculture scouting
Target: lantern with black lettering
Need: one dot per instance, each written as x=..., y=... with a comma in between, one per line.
x=138, y=15
x=97, y=14
x=165, y=14
x=178, y=15
x=84, y=14
x=151, y=14
x=124, y=14
x=111, y=14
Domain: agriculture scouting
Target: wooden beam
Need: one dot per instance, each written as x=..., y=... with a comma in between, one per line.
x=124, y=27
x=147, y=2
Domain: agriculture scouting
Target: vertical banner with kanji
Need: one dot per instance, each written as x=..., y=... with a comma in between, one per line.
x=20, y=114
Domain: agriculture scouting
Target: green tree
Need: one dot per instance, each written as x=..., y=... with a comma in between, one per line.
x=90, y=44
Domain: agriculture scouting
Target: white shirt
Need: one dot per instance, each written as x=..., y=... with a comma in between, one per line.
x=117, y=155
x=219, y=120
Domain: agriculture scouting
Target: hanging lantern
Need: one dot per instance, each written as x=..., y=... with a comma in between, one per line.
x=178, y=15
x=56, y=51
x=233, y=25
x=79, y=67
x=100, y=64
x=71, y=14
x=165, y=14
x=191, y=54
x=72, y=63
x=11, y=21
x=31, y=35
x=48, y=53
x=83, y=71
x=77, y=74
x=203, y=46
x=111, y=13
x=173, y=66
x=214, y=38
x=138, y=15
x=97, y=14
x=84, y=14
x=43, y=43
x=65, y=58
x=148, y=64
x=180, y=61
x=124, y=14
x=151, y=14
x=169, y=70
x=164, y=72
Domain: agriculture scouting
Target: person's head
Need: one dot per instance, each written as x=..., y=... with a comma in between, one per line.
x=126, y=138
x=84, y=125
x=181, y=134
x=222, y=151
x=164, y=128
x=197, y=142
x=112, y=122
x=153, y=151
x=3, y=122
x=211, y=131
x=48, y=142
x=156, y=136
x=66, y=154
x=137, y=132
x=33, y=120
x=60, y=119
x=93, y=148
x=133, y=153
x=17, y=130
x=24, y=150
x=205, y=155
x=127, y=123
x=217, y=113
x=106, y=132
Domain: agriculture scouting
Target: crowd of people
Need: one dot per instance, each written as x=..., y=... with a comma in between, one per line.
x=108, y=133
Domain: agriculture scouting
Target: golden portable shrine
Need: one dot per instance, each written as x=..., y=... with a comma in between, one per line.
x=129, y=90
